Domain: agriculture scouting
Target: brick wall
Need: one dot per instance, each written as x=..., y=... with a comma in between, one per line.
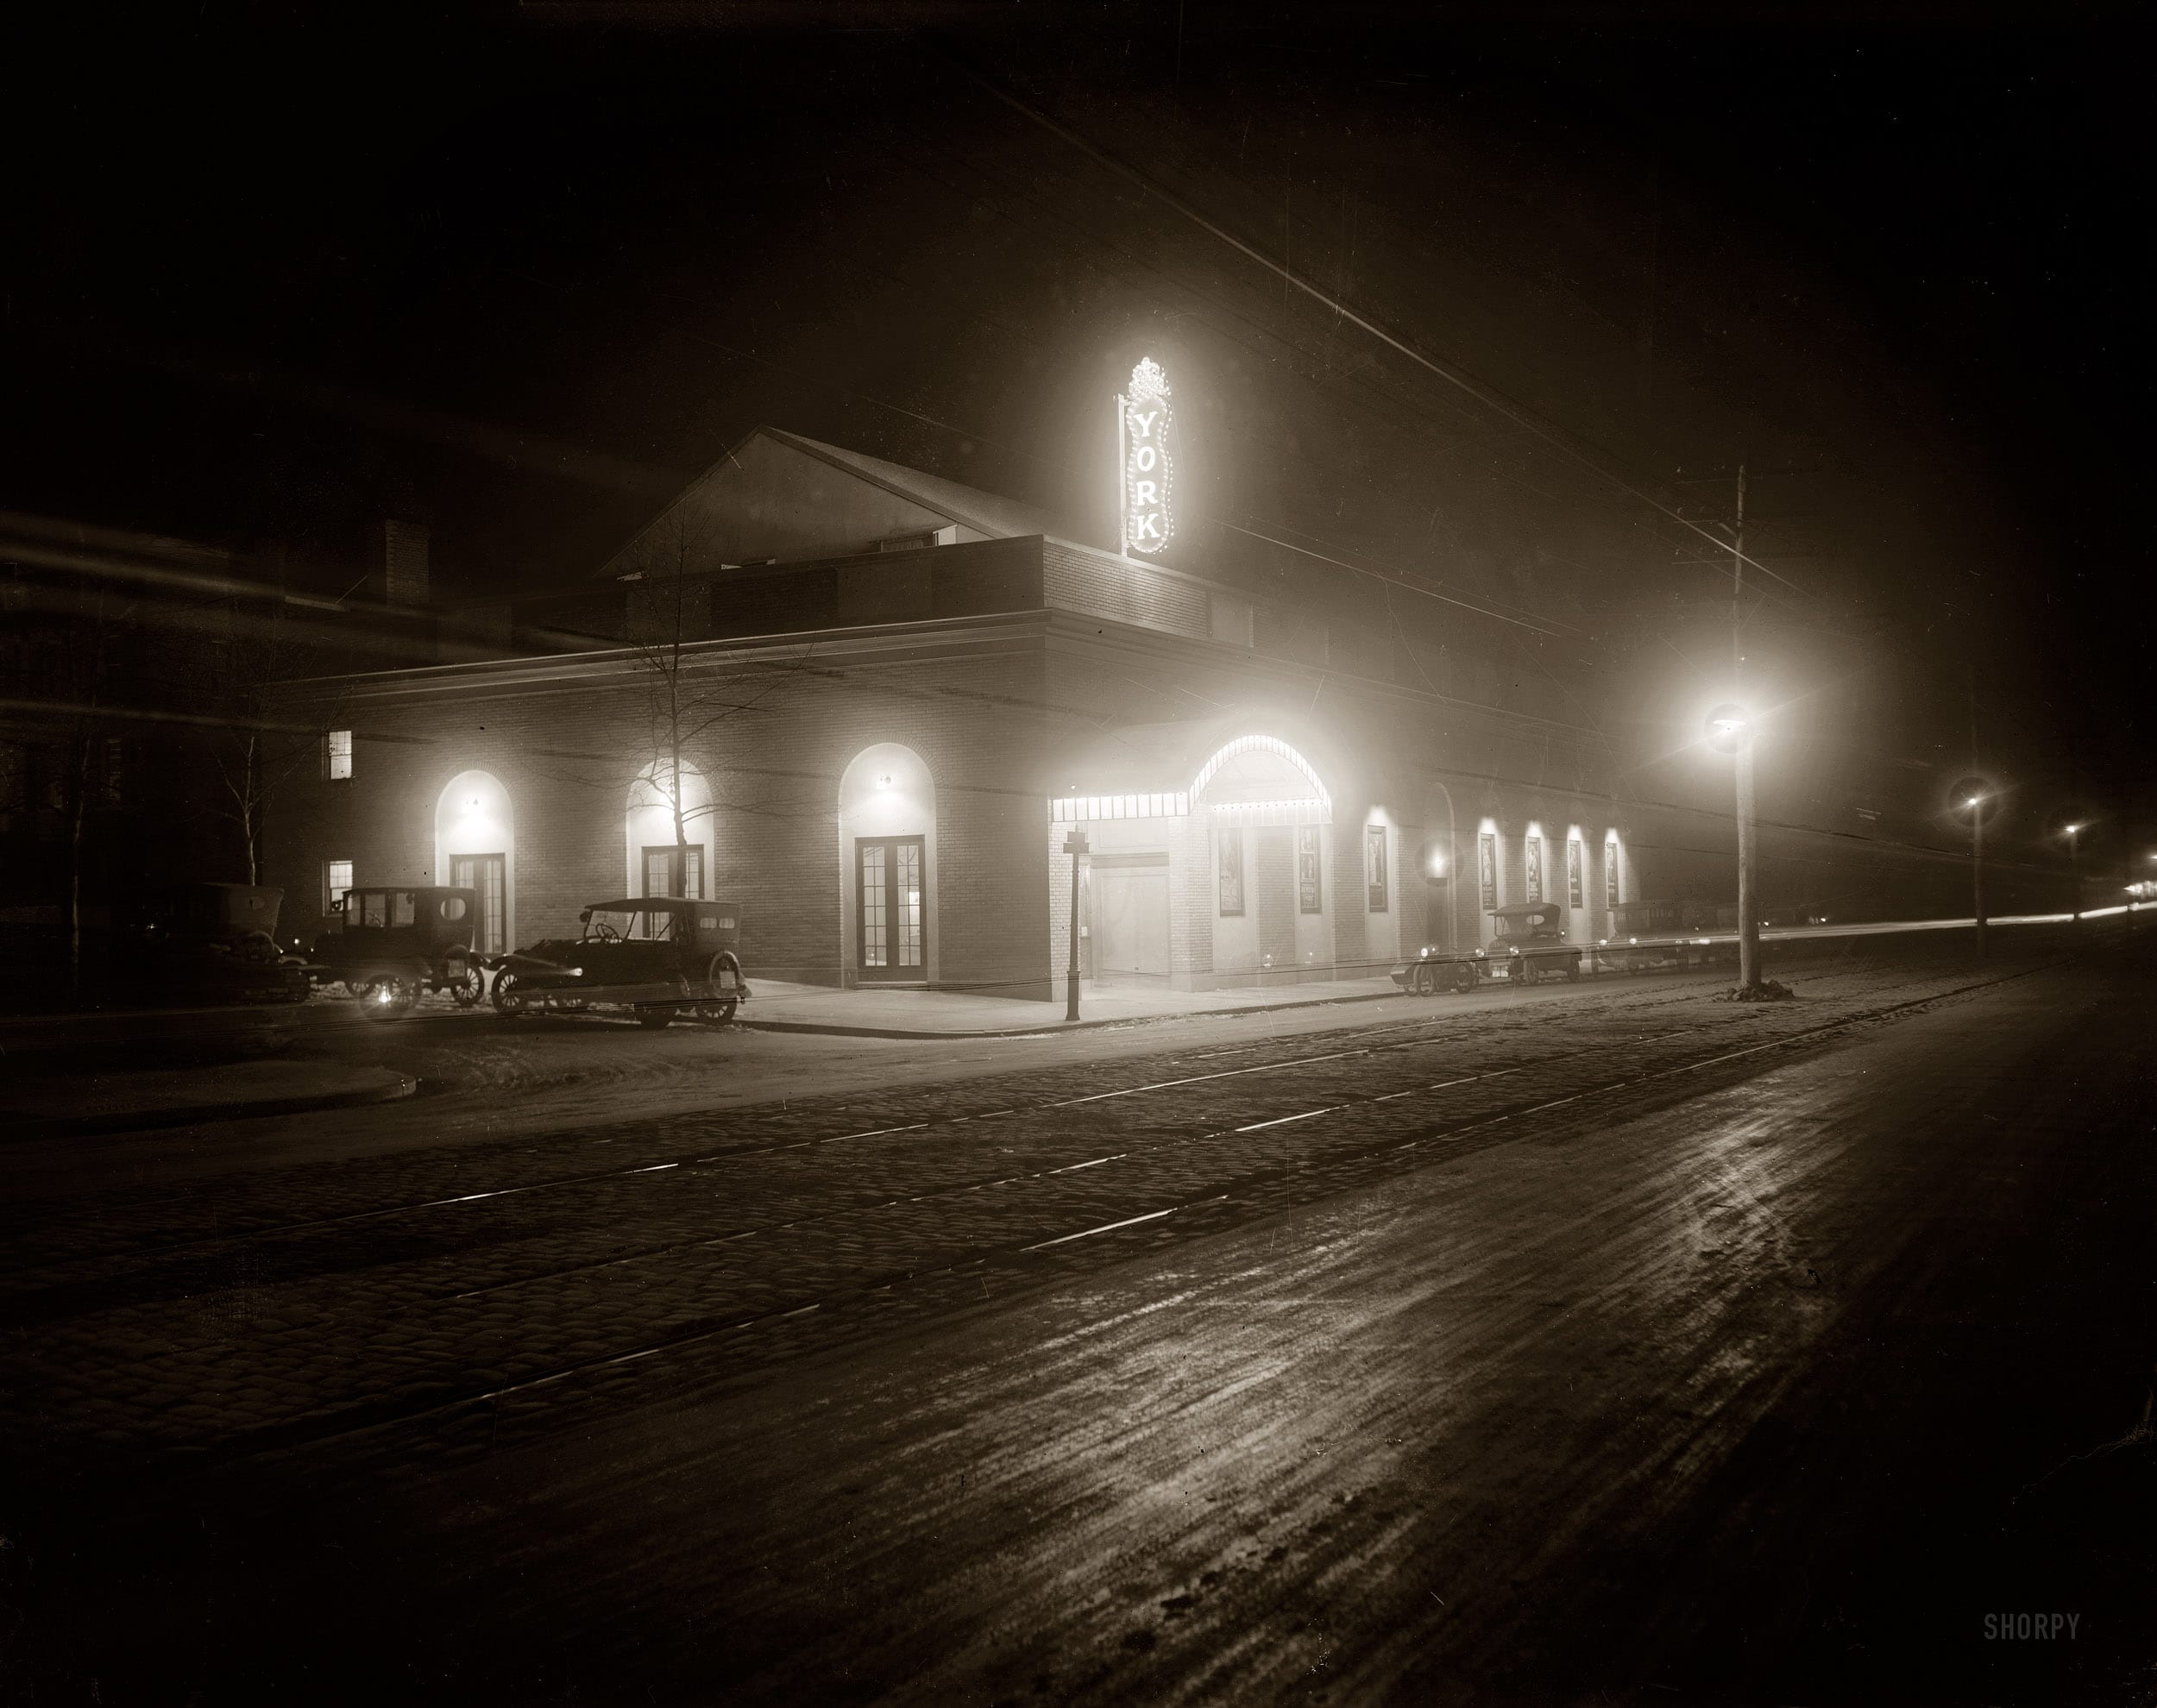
x=567, y=752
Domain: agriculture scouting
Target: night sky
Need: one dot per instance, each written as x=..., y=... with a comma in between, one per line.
x=521, y=274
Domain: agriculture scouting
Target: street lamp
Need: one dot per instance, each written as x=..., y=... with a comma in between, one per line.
x=2074, y=862
x=1730, y=731
x=1973, y=798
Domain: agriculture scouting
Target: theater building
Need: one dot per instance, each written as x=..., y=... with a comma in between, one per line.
x=869, y=706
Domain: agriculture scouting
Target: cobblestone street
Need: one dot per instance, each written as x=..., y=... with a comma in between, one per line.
x=305, y=1301
x=434, y=1326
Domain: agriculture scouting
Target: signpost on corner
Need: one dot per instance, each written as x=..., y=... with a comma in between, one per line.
x=1074, y=845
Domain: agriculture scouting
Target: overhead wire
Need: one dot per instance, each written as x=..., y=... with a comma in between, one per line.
x=1489, y=396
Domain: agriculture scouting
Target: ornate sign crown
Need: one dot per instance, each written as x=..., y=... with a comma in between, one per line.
x=1147, y=380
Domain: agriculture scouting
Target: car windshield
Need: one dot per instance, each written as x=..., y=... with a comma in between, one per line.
x=380, y=907
x=646, y=925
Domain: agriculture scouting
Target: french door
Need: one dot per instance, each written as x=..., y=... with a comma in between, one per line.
x=890, y=915
x=663, y=865
x=484, y=873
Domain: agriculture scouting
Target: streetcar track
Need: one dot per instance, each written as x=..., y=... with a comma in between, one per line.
x=376, y=1416
x=644, y=1254
x=371, y=1416
x=161, y=1256
x=159, y=1251
x=734, y=1236
x=676, y=1247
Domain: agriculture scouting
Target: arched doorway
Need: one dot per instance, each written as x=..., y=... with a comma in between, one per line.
x=1264, y=809
x=886, y=863
x=654, y=862
x=475, y=849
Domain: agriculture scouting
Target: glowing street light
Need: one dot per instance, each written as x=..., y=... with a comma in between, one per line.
x=1730, y=731
x=2073, y=833
x=1974, y=798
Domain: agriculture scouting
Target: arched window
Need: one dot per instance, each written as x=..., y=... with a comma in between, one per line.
x=887, y=853
x=475, y=849
x=660, y=857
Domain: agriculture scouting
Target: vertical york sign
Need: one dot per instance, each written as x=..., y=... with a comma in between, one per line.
x=1149, y=521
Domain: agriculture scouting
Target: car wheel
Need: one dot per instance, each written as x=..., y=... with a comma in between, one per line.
x=1463, y=979
x=508, y=999
x=467, y=988
x=653, y=1017
x=717, y=1013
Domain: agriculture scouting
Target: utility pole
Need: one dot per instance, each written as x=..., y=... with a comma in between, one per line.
x=1980, y=798
x=1074, y=845
x=1748, y=909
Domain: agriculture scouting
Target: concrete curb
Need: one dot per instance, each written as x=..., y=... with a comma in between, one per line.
x=18, y=1128
x=834, y=1030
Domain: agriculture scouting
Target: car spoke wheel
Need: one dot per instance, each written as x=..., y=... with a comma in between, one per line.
x=469, y=987
x=508, y=999
x=717, y=1013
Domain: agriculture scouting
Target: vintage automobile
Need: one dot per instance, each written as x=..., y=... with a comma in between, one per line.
x=1531, y=936
x=657, y=956
x=208, y=941
x=391, y=943
x=1433, y=970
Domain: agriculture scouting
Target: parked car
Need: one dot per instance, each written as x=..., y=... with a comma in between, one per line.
x=211, y=942
x=1434, y=970
x=1531, y=935
x=388, y=945
x=657, y=956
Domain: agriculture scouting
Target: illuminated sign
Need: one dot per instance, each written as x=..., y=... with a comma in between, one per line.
x=1149, y=522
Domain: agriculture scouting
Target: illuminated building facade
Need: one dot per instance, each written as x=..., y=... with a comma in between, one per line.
x=867, y=705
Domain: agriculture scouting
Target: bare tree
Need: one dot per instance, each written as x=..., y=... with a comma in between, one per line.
x=255, y=756
x=668, y=569
x=84, y=651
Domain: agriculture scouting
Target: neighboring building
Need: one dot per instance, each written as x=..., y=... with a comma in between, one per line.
x=131, y=753
x=883, y=701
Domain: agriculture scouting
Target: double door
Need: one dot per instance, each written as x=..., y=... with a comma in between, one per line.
x=485, y=874
x=892, y=916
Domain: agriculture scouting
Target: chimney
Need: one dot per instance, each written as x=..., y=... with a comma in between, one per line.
x=403, y=572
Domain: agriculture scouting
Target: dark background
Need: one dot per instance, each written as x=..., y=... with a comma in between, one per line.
x=520, y=272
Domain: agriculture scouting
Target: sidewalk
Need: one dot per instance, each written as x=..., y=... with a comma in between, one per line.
x=74, y=1105
x=778, y=1006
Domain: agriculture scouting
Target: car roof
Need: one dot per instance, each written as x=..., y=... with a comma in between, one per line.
x=1520, y=910
x=630, y=904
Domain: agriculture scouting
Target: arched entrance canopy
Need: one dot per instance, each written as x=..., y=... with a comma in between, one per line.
x=1261, y=780
x=1140, y=772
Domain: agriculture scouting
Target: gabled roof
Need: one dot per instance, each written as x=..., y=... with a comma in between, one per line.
x=777, y=496
x=989, y=513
